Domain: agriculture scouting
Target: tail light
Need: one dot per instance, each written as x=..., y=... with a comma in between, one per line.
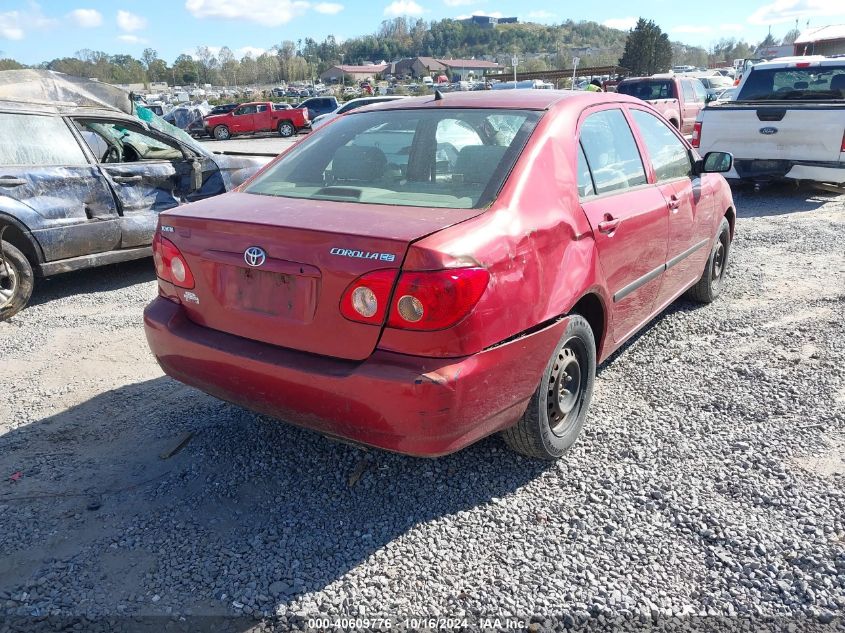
x=428, y=300
x=365, y=300
x=170, y=263
x=696, y=134
x=842, y=149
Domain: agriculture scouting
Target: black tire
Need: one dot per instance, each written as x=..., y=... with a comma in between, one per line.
x=675, y=124
x=558, y=408
x=221, y=133
x=16, y=281
x=286, y=129
x=709, y=287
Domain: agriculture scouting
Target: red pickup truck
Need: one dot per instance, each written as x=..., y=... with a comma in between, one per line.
x=262, y=116
x=678, y=98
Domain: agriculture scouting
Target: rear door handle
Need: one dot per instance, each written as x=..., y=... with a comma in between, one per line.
x=11, y=181
x=674, y=203
x=126, y=178
x=609, y=224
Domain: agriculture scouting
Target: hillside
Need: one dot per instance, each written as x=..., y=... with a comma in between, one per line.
x=538, y=46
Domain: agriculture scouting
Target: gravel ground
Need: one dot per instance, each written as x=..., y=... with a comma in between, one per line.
x=709, y=480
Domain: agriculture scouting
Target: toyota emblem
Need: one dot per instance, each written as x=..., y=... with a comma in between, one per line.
x=255, y=256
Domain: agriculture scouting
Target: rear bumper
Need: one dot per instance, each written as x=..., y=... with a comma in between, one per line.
x=408, y=404
x=818, y=171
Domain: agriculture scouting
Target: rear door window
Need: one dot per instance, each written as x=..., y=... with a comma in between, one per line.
x=31, y=139
x=611, y=152
x=585, y=180
x=669, y=156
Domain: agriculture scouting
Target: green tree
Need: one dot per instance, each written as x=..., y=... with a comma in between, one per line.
x=769, y=40
x=647, y=49
x=185, y=70
x=10, y=64
x=228, y=66
x=207, y=62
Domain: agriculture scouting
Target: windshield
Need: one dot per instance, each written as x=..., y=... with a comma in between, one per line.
x=647, y=90
x=427, y=158
x=817, y=83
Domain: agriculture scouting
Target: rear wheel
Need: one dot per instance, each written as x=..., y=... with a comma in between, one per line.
x=286, y=129
x=16, y=281
x=558, y=408
x=221, y=133
x=709, y=287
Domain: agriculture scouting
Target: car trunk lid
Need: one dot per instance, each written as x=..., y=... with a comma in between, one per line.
x=313, y=251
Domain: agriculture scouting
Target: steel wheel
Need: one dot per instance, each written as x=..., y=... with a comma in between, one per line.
x=567, y=384
x=709, y=287
x=221, y=133
x=558, y=408
x=719, y=252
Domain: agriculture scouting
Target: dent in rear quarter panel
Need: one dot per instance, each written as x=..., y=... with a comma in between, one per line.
x=535, y=241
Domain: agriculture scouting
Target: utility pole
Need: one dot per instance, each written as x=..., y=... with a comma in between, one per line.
x=575, y=61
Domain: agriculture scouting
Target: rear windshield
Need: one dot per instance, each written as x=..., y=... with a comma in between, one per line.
x=817, y=83
x=647, y=90
x=451, y=158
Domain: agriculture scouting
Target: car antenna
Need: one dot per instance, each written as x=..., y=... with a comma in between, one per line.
x=438, y=96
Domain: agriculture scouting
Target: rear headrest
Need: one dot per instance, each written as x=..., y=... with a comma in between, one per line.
x=352, y=162
x=838, y=83
x=478, y=162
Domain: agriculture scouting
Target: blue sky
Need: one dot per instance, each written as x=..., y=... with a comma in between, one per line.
x=32, y=31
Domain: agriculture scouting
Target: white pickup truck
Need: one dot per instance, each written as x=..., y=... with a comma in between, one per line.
x=787, y=122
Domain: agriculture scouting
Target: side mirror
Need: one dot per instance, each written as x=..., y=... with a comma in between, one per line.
x=717, y=163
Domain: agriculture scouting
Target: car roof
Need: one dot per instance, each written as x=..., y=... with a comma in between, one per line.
x=60, y=108
x=813, y=60
x=372, y=97
x=517, y=99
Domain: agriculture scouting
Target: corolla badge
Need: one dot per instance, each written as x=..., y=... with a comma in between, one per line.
x=768, y=130
x=351, y=252
x=255, y=256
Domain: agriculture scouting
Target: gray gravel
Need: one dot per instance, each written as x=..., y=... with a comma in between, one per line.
x=258, y=144
x=709, y=480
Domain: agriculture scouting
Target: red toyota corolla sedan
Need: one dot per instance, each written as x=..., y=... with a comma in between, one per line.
x=420, y=274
